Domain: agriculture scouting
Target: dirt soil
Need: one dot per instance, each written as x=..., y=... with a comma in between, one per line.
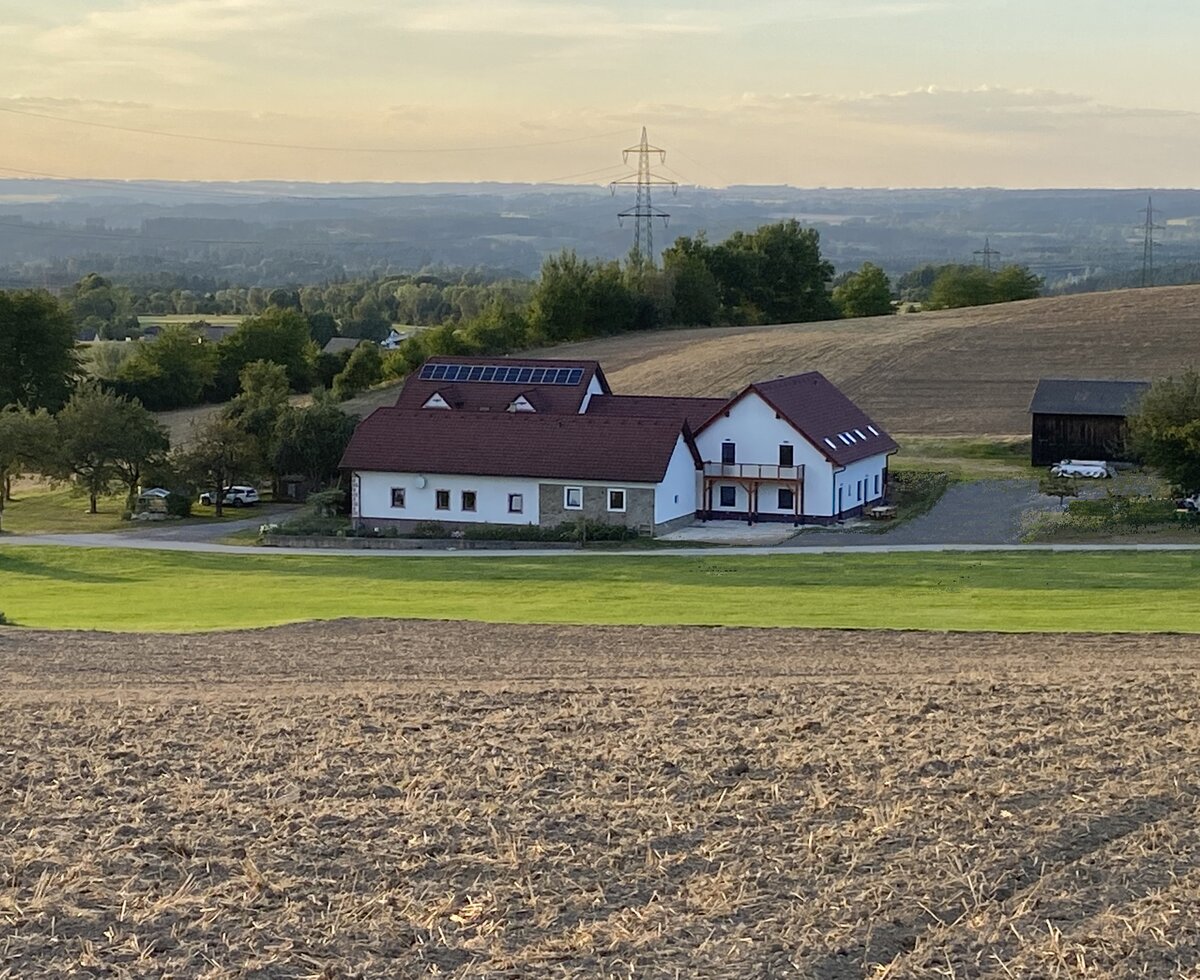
x=965, y=372
x=401, y=799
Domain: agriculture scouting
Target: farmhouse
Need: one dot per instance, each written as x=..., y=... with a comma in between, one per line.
x=473, y=440
x=1082, y=419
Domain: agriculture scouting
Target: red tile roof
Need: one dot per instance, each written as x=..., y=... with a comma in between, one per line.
x=558, y=447
x=816, y=407
x=695, y=411
x=479, y=396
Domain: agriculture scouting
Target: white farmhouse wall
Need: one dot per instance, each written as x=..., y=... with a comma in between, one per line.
x=675, y=496
x=756, y=432
x=420, y=503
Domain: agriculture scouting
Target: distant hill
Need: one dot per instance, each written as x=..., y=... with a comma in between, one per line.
x=968, y=372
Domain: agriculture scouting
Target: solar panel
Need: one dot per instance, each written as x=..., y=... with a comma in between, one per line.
x=501, y=374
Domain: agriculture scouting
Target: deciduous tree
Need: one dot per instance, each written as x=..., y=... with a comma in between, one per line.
x=38, y=366
x=1165, y=430
x=866, y=292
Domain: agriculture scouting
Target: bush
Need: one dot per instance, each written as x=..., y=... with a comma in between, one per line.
x=915, y=492
x=4, y=620
x=429, y=529
x=179, y=502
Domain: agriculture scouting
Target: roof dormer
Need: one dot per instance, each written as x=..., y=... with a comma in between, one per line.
x=521, y=404
x=436, y=401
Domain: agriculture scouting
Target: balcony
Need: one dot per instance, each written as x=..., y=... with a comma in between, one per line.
x=753, y=471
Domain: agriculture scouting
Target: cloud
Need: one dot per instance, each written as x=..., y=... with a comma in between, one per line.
x=549, y=18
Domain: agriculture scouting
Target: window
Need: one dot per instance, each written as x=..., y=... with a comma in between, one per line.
x=398, y=497
x=728, y=497
x=787, y=499
x=442, y=499
x=728, y=453
x=876, y=484
x=786, y=456
x=860, y=488
x=616, y=501
x=516, y=503
x=468, y=500
x=573, y=498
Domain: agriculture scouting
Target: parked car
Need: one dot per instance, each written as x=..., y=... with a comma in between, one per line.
x=233, y=497
x=1094, y=469
x=1191, y=503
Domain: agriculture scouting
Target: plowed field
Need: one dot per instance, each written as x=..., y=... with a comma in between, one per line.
x=396, y=799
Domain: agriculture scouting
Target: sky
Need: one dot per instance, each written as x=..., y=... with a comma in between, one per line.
x=837, y=93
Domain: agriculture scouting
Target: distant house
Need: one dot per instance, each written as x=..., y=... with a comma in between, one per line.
x=477, y=440
x=1082, y=419
x=342, y=345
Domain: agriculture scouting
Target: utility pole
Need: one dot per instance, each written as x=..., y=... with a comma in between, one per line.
x=644, y=212
x=1148, y=242
x=987, y=252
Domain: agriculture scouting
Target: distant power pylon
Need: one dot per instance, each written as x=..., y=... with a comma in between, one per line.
x=987, y=252
x=1148, y=242
x=644, y=212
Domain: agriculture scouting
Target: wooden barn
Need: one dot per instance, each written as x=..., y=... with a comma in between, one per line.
x=1082, y=419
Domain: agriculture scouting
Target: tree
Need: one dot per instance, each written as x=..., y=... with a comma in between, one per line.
x=102, y=438
x=864, y=293
x=693, y=285
x=24, y=439
x=1165, y=430
x=280, y=336
x=173, y=371
x=259, y=406
x=1058, y=486
x=219, y=450
x=1015, y=282
x=38, y=365
x=363, y=369
x=310, y=441
x=322, y=327
x=958, y=286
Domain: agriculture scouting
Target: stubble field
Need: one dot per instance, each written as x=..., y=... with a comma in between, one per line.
x=391, y=799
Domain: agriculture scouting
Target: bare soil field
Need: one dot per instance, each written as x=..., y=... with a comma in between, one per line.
x=402, y=799
x=956, y=372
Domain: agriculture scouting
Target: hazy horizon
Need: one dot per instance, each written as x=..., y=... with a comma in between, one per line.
x=807, y=93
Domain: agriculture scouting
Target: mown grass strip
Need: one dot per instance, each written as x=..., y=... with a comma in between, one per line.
x=138, y=590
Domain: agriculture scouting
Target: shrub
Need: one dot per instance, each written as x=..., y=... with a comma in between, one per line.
x=4, y=620
x=179, y=502
x=916, y=491
x=429, y=529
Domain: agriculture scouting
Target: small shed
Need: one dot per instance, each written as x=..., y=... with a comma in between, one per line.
x=1082, y=419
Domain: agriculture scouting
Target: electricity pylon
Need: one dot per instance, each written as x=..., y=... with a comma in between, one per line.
x=987, y=252
x=644, y=212
x=1148, y=242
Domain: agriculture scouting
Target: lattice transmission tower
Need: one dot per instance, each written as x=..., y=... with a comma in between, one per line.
x=643, y=211
x=1148, y=242
x=987, y=252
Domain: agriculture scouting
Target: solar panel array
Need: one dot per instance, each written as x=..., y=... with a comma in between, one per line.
x=501, y=374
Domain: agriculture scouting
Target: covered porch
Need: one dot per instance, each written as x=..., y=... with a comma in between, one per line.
x=752, y=479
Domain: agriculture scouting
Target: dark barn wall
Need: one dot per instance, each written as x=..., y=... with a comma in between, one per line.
x=1058, y=437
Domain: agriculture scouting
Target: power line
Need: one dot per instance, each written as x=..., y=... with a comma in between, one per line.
x=987, y=252
x=644, y=212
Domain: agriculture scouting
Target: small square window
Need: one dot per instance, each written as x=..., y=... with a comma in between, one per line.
x=787, y=499
x=442, y=499
x=728, y=497
x=616, y=501
x=468, y=500
x=516, y=503
x=398, y=497
x=573, y=498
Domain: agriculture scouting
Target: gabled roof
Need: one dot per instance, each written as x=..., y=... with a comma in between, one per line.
x=559, y=447
x=339, y=345
x=695, y=411
x=1061, y=396
x=492, y=396
x=816, y=408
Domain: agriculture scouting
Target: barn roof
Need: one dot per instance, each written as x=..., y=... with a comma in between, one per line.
x=340, y=345
x=695, y=411
x=482, y=391
x=818, y=410
x=1076, y=396
x=561, y=447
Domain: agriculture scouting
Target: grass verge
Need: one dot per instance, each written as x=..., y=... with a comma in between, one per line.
x=117, y=589
x=966, y=457
x=61, y=511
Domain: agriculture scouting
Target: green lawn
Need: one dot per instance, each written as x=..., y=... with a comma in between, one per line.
x=966, y=457
x=123, y=589
x=61, y=511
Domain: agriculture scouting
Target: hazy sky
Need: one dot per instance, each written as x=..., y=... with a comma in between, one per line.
x=1010, y=93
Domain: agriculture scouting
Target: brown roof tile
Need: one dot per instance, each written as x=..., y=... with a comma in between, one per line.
x=560, y=447
x=695, y=411
x=491, y=397
x=816, y=407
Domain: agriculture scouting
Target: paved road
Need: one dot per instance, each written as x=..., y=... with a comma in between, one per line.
x=981, y=516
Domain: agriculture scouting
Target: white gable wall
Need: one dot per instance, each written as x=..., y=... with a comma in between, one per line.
x=757, y=433
x=593, y=388
x=676, y=496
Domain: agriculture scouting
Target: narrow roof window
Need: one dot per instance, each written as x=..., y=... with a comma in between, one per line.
x=874, y=431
